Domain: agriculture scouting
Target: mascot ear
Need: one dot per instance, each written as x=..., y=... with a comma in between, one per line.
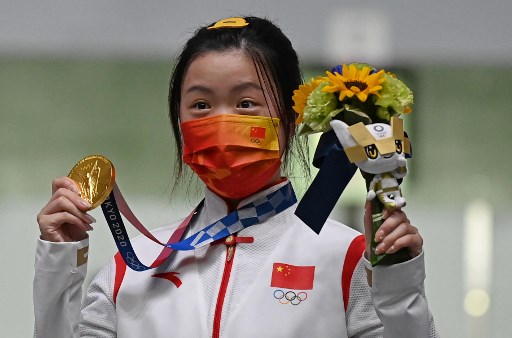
x=341, y=130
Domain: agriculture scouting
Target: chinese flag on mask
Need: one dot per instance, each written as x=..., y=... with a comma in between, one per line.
x=292, y=277
x=258, y=132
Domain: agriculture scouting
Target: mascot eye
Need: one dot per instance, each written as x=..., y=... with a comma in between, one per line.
x=371, y=151
x=399, y=148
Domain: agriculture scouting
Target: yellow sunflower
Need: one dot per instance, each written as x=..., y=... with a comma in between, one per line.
x=354, y=81
x=300, y=96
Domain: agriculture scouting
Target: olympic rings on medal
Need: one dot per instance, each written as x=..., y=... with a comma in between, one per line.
x=290, y=297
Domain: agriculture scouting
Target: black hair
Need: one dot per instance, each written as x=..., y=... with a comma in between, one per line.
x=275, y=60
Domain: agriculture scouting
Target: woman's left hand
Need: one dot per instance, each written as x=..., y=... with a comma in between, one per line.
x=394, y=234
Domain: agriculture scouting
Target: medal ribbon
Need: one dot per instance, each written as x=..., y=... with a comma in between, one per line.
x=248, y=215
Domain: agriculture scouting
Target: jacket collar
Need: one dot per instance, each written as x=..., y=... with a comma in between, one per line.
x=215, y=207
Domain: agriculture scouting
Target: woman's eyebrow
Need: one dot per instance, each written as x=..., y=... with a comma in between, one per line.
x=199, y=88
x=246, y=85
x=236, y=88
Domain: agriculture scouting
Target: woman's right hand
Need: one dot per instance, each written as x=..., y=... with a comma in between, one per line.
x=65, y=218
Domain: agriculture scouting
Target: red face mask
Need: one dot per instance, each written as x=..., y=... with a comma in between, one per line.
x=234, y=155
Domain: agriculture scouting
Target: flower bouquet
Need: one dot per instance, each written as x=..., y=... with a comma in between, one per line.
x=361, y=106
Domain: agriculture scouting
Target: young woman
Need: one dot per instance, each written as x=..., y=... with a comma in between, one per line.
x=232, y=117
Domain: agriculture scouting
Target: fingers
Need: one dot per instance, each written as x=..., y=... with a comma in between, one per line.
x=368, y=214
x=64, y=218
x=56, y=221
x=397, y=233
x=368, y=225
x=64, y=182
x=74, y=197
x=68, y=201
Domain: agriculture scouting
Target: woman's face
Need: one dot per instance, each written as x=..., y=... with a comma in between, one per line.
x=223, y=83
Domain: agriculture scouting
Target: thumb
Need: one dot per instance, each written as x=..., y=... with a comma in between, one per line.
x=368, y=224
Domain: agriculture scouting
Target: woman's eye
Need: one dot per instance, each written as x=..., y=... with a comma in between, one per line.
x=246, y=104
x=201, y=105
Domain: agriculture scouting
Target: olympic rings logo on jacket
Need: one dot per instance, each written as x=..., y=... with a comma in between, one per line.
x=290, y=297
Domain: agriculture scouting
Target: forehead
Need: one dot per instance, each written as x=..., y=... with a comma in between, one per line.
x=220, y=68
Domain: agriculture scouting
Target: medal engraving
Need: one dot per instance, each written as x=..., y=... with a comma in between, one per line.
x=95, y=177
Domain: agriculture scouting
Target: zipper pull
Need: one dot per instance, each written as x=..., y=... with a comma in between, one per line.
x=231, y=250
x=230, y=242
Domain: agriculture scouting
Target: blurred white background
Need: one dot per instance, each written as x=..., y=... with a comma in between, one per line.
x=82, y=77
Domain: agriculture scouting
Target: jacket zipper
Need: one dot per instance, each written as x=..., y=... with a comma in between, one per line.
x=228, y=264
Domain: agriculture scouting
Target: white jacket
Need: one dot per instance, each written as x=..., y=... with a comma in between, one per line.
x=203, y=293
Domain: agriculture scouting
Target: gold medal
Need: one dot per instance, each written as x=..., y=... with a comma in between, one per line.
x=95, y=178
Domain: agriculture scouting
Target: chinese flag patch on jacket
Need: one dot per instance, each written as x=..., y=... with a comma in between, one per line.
x=292, y=277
